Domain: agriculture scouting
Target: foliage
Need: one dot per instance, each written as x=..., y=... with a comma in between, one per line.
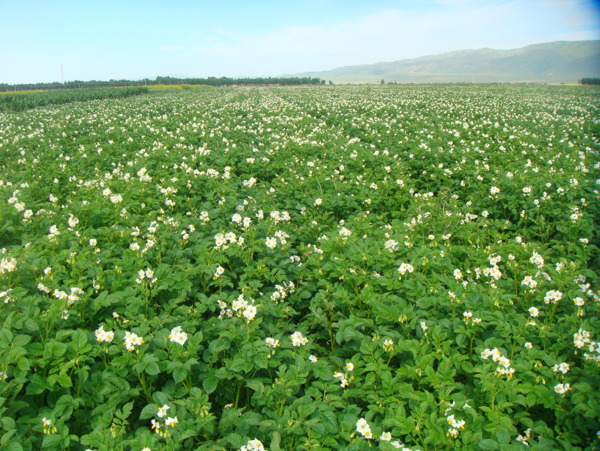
x=210, y=81
x=29, y=100
x=590, y=81
x=302, y=267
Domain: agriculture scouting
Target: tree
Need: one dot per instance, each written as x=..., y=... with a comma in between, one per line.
x=590, y=81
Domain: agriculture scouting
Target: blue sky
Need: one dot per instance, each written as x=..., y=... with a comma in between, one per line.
x=132, y=39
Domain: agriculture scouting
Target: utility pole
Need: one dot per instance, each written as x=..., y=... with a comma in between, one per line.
x=62, y=74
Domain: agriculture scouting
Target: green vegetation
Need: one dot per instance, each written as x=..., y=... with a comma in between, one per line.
x=590, y=81
x=29, y=100
x=179, y=87
x=553, y=62
x=332, y=267
x=210, y=81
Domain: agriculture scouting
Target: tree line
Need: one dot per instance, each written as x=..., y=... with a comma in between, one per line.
x=589, y=81
x=211, y=81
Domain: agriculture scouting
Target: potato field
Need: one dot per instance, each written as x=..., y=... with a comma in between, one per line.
x=302, y=268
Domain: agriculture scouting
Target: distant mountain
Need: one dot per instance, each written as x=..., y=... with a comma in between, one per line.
x=552, y=62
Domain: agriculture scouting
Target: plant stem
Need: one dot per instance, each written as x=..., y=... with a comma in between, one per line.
x=237, y=394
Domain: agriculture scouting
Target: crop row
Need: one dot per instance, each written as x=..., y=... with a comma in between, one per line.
x=27, y=101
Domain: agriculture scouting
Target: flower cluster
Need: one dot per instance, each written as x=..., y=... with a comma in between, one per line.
x=280, y=216
x=250, y=182
x=524, y=439
x=561, y=389
x=6, y=297
x=7, y=265
x=298, y=339
x=343, y=377
x=271, y=242
x=404, y=268
x=468, y=317
x=222, y=241
x=583, y=338
x=240, y=307
x=344, y=232
x=561, y=368
x=148, y=274
x=161, y=428
x=388, y=345
x=455, y=425
x=552, y=297
x=363, y=428
x=529, y=282
x=244, y=222
x=391, y=245
x=53, y=233
x=503, y=368
x=132, y=340
x=281, y=291
x=253, y=445
x=218, y=272
x=492, y=272
x=272, y=342
x=48, y=426
x=178, y=336
x=537, y=259
x=105, y=336
x=70, y=297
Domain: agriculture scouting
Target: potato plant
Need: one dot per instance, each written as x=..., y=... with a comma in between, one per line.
x=332, y=267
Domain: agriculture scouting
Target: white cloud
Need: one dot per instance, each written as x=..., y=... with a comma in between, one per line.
x=393, y=34
x=382, y=36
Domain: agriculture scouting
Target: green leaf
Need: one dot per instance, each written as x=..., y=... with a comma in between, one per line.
x=488, y=444
x=37, y=384
x=64, y=406
x=179, y=374
x=6, y=437
x=275, y=441
x=219, y=345
x=160, y=398
x=21, y=340
x=149, y=411
x=139, y=367
x=23, y=364
x=152, y=369
x=210, y=384
x=51, y=441
x=64, y=380
x=256, y=385
x=6, y=337
x=260, y=361
x=125, y=411
x=503, y=437
x=54, y=349
x=238, y=364
x=322, y=372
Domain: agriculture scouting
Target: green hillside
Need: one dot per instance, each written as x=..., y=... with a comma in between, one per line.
x=554, y=62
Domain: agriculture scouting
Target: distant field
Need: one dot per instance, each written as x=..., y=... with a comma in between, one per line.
x=179, y=87
x=331, y=267
x=4, y=93
x=27, y=100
